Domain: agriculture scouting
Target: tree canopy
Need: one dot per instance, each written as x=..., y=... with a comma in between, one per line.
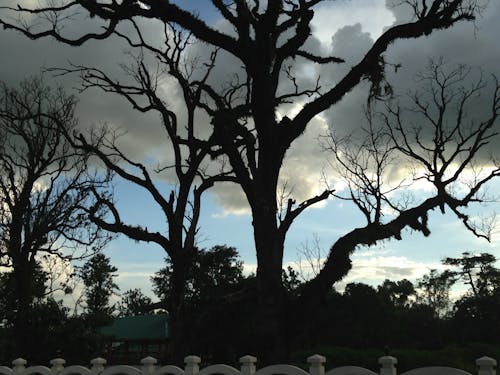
x=45, y=187
x=98, y=275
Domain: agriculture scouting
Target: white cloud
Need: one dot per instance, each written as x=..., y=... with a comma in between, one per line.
x=61, y=274
x=133, y=275
x=371, y=14
x=231, y=200
x=370, y=267
x=304, y=164
x=249, y=268
x=389, y=267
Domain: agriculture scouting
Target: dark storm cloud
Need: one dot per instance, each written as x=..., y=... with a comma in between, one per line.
x=145, y=137
x=472, y=44
x=26, y=58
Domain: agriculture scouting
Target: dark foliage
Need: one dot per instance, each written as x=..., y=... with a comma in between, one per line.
x=98, y=276
x=134, y=302
x=44, y=189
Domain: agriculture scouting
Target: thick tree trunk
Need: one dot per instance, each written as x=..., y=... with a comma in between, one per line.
x=23, y=288
x=178, y=323
x=176, y=314
x=271, y=334
x=271, y=310
x=272, y=302
x=177, y=334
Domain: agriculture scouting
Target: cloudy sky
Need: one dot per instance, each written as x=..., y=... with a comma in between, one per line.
x=344, y=28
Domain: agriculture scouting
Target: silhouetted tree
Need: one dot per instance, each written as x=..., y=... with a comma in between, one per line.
x=437, y=136
x=291, y=280
x=8, y=298
x=264, y=39
x=397, y=292
x=215, y=272
x=435, y=291
x=44, y=188
x=477, y=309
x=97, y=275
x=374, y=331
x=477, y=271
x=48, y=322
x=134, y=302
x=189, y=173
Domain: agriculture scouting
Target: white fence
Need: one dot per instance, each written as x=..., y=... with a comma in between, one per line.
x=485, y=365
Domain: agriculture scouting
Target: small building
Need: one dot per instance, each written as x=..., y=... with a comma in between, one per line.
x=131, y=338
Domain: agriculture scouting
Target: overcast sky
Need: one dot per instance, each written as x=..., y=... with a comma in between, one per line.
x=342, y=28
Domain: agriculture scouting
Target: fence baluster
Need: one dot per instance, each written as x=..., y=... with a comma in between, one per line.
x=387, y=365
x=316, y=364
x=98, y=365
x=486, y=366
x=148, y=365
x=19, y=365
x=192, y=365
x=57, y=365
x=248, y=365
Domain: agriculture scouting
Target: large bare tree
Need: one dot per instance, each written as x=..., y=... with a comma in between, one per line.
x=190, y=167
x=436, y=139
x=265, y=37
x=45, y=186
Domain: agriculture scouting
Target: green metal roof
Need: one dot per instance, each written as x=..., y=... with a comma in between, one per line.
x=142, y=327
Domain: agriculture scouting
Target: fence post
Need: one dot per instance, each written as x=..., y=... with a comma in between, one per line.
x=97, y=365
x=248, y=365
x=387, y=365
x=192, y=365
x=148, y=365
x=486, y=366
x=19, y=365
x=316, y=364
x=57, y=365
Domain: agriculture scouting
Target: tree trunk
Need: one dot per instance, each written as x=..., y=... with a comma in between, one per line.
x=271, y=310
x=23, y=281
x=271, y=314
x=178, y=322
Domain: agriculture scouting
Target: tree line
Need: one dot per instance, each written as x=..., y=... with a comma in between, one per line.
x=50, y=199
x=393, y=315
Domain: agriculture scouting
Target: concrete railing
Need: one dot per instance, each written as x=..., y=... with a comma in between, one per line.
x=149, y=366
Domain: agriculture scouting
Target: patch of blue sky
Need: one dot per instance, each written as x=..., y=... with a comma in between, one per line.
x=328, y=223
x=231, y=230
x=203, y=9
